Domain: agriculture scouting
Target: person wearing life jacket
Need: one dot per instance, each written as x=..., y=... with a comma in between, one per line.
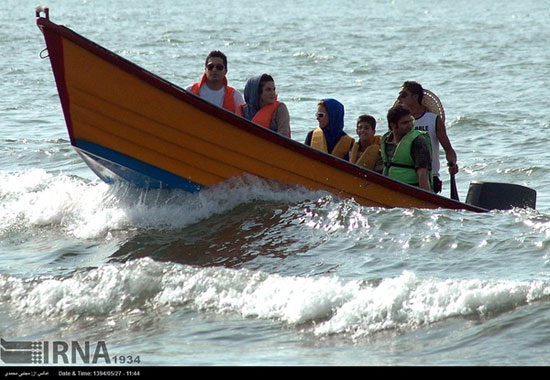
x=213, y=85
x=406, y=152
x=366, y=151
x=410, y=96
x=262, y=106
x=330, y=137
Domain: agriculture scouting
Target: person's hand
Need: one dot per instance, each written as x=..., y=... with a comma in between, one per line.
x=453, y=168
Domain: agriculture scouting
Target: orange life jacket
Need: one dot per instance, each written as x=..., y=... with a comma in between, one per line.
x=229, y=97
x=264, y=116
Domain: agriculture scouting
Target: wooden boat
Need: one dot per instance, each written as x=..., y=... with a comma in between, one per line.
x=129, y=124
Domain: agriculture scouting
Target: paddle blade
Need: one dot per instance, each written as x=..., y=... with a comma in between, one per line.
x=454, y=191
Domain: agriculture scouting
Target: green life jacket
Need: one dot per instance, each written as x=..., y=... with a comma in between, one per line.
x=401, y=167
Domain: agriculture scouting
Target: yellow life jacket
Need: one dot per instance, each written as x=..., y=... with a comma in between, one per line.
x=369, y=156
x=319, y=142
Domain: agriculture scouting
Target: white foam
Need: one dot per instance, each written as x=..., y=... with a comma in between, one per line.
x=38, y=199
x=99, y=292
x=87, y=210
x=408, y=302
x=325, y=305
x=294, y=300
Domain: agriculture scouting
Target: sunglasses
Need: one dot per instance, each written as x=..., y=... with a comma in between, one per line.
x=211, y=66
x=320, y=115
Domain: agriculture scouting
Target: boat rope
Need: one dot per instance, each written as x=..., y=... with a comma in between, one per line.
x=42, y=53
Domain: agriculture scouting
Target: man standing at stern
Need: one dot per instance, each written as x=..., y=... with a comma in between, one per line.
x=411, y=96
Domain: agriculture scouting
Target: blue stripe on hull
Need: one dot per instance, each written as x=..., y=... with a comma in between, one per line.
x=112, y=166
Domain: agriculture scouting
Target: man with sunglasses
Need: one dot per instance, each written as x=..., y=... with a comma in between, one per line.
x=410, y=96
x=213, y=84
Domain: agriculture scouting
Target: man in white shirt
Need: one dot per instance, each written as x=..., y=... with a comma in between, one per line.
x=410, y=96
x=213, y=84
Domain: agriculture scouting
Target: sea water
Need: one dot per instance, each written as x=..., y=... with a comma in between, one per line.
x=256, y=273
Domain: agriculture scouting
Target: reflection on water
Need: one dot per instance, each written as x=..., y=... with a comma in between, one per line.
x=229, y=239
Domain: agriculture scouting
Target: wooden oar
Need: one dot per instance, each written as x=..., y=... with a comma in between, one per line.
x=454, y=191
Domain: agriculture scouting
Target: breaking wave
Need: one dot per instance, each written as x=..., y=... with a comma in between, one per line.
x=91, y=209
x=323, y=306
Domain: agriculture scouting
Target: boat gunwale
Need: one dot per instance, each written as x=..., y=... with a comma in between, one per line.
x=225, y=115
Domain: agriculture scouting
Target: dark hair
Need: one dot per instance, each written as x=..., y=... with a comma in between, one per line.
x=395, y=113
x=217, y=54
x=367, y=119
x=414, y=88
x=263, y=80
